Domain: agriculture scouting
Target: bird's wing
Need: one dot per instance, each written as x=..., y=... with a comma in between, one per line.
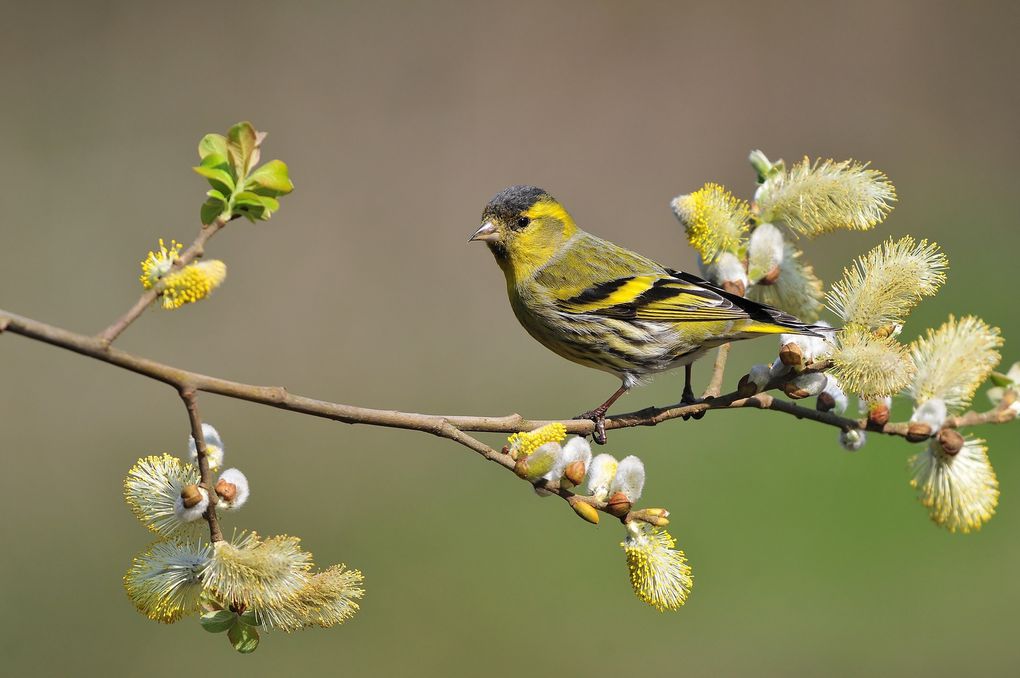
x=670, y=296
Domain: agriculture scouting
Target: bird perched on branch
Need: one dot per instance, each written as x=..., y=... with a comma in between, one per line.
x=603, y=306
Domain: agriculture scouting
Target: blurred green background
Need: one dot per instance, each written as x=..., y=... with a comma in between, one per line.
x=399, y=121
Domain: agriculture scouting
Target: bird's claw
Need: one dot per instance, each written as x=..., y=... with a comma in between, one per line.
x=688, y=399
x=597, y=417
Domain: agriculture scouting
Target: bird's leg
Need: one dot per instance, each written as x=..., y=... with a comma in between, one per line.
x=598, y=415
x=688, y=396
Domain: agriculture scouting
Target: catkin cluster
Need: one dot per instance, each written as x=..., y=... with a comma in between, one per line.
x=939, y=372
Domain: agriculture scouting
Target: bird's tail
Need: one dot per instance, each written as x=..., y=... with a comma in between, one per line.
x=770, y=320
x=762, y=318
x=793, y=326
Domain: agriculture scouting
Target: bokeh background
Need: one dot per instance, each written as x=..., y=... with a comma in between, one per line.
x=399, y=121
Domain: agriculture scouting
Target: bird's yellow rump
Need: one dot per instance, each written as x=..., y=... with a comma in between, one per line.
x=603, y=306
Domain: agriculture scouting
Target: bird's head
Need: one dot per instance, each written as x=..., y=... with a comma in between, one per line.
x=524, y=227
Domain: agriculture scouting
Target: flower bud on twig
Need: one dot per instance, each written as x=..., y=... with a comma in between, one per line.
x=601, y=474
x=791, y=355
x=232, y=489
x=918, y=432
x=190, y=496
x=575, y=460
x=878, y=414
x=931, y=412
x=574, y=473
x=192, y=503
x=853, y=439
x=832, y=397
x=618, y=505
x=585, y=510
x=755, y=381
x=805, y=385
x=653, y=516
x=630, y=479
x=950, y=441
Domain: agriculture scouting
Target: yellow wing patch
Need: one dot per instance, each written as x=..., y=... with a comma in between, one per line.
x=657, y=298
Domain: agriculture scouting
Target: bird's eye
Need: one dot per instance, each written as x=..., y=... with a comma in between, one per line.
x=522, y=222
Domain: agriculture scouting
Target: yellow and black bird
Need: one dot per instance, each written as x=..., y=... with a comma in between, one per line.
x=603, y=306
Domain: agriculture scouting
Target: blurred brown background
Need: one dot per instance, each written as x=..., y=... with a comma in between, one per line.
x=399, y=121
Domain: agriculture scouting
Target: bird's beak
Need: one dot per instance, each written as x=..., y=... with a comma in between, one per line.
x=487, y=233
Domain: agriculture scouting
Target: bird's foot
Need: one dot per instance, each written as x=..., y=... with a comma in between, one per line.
x=688, y=398
x=598, y=417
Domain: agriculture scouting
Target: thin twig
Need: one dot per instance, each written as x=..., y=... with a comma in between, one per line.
x=718, y=370
x=205, y=476
x=194, y=251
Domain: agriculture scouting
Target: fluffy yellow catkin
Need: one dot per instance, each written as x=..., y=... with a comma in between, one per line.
x=158, y=263
x=815, y=198
x=164, y=581
x=328, y=599
x=257, y=573
x=886, y=283
x=523, y=444
x=961, y=490
x=192, y=283
x=869, y=365
x=714, y=219
x=954, y=360
x=659, y=573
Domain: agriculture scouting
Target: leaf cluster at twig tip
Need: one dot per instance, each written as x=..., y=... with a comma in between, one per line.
x=239, y=187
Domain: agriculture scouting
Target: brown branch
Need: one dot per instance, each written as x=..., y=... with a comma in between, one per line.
x=194, y=251
x=454, y=428
x=205, y=477
x=999, y=415
x=718, y=370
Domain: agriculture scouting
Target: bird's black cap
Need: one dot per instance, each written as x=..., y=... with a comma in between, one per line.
x=510, y=202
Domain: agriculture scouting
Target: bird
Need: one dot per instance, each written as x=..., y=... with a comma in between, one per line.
x=603, y=306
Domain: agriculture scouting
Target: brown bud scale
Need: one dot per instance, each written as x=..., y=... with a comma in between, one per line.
x=521, y=467
x=618, y=505
x=950, y=441
x=826, y=403
x=734, y=287
x=878, y=415
x=791, y=355
x=794, y=391
x=226, y=491
x=574, y=472
x=771, y=277
x=191, y=496
x=918, y=432
x=745, y=387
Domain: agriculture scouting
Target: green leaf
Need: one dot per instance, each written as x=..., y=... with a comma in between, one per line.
x=259, y=208
x=241, y=147
x=216, y=195
x=248, y=198
x=211, y=209
x=255, y=206
x=271, y=204
x=273, y=177
x=249, y=618
x=219, y=621
x=212, y=144
x=244, y=638
x=217, y=171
